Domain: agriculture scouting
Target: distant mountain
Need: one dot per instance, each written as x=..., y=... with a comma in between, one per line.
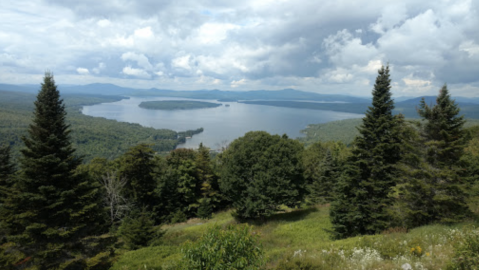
x=461, y=101
x=28, y=88
x=399, y=99
x=97, y=88
x=286, y=94
x=279, y=95
x=416, y=100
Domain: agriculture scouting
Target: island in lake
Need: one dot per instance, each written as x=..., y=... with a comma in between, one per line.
x=177, y=105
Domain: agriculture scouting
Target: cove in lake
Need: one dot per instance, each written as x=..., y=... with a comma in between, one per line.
x=221, y=124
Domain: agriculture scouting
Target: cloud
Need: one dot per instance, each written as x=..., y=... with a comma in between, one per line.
x=182, y=62
x=140, y=59
x=83, y=71
x=238, y=83
x=136, y=72
x=328, y=47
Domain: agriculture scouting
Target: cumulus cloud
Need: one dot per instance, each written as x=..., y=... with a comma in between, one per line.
x=328, y=47
x=238, y=83
x=140, y=59
x=83, y=71
x=136, y=72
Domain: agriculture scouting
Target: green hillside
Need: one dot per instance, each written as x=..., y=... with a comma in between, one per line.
x=91, y=136
x=344, y=131
x=299, y=237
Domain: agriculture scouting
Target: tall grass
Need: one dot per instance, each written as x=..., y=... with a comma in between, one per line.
x=299, y=239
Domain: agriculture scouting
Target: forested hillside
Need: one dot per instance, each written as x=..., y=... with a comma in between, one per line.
x=345, y=131
x=92, y=136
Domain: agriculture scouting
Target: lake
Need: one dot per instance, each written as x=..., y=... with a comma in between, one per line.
x=221, y=124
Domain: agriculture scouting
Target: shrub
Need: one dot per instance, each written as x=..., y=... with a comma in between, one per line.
x=178, y=217
x=138, y=230
x=232, y=248
x=466, y=255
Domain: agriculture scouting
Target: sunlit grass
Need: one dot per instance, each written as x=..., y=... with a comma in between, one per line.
x=298, y=239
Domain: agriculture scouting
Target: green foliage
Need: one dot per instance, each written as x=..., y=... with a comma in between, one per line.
x=177, y=105
x=299, y=263
x=342, y=130
x=137, y=166
x=206, y=175
x=151, y=258
x=322, y=164
x=179, y=216
x=181, y=185
x=362, y=203
x=91, y=136
x=231, y=248
x=435, y=178
x=137, y=230
x=466, y=253
x=262, y=172
x=7, y=169
x=205, y=211
x=52, y=207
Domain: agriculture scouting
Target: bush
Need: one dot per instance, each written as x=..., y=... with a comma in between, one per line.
x=178, y=217
x=466, y=255
x=232, y=248
x=138, y=230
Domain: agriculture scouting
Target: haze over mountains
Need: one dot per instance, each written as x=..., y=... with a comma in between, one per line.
x=286, y=94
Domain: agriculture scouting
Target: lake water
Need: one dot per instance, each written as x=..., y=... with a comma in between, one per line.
x=221, y=124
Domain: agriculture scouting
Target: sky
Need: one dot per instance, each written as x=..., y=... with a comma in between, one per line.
x=327, y=46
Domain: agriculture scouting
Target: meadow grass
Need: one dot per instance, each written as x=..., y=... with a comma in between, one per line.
x=300, y=239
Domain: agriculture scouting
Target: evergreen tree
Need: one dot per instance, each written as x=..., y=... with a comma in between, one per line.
x=206, y=176
x=137, y=166
x=7, y=169
x=53, y=208
x=137, y=230
x=443, y=179
x=181, y=187
x=205, y=210
x=322, y=189
x=363, y=201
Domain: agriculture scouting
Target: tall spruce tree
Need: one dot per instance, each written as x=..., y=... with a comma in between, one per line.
x=7, y=169
x=137, y=166
x=362, y=200
x=443, y=140
x=53, y=208
x=322, y=188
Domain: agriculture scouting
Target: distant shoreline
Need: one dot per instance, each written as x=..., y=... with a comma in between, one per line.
x=177, y=105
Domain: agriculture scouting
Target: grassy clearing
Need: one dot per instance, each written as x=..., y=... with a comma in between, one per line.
x=299, y=239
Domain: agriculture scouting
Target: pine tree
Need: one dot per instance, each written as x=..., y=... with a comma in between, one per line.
x=53, y=208
x=362, y=203
x=209, y=187
x=137, y=166
x=205, y=210
x=7, y=169
x=321, y=190
x=443, y=140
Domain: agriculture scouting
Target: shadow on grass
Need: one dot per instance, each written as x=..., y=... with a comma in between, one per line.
x=294, y=215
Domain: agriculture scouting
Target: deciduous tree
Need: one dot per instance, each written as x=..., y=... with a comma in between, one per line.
x=262, y=172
